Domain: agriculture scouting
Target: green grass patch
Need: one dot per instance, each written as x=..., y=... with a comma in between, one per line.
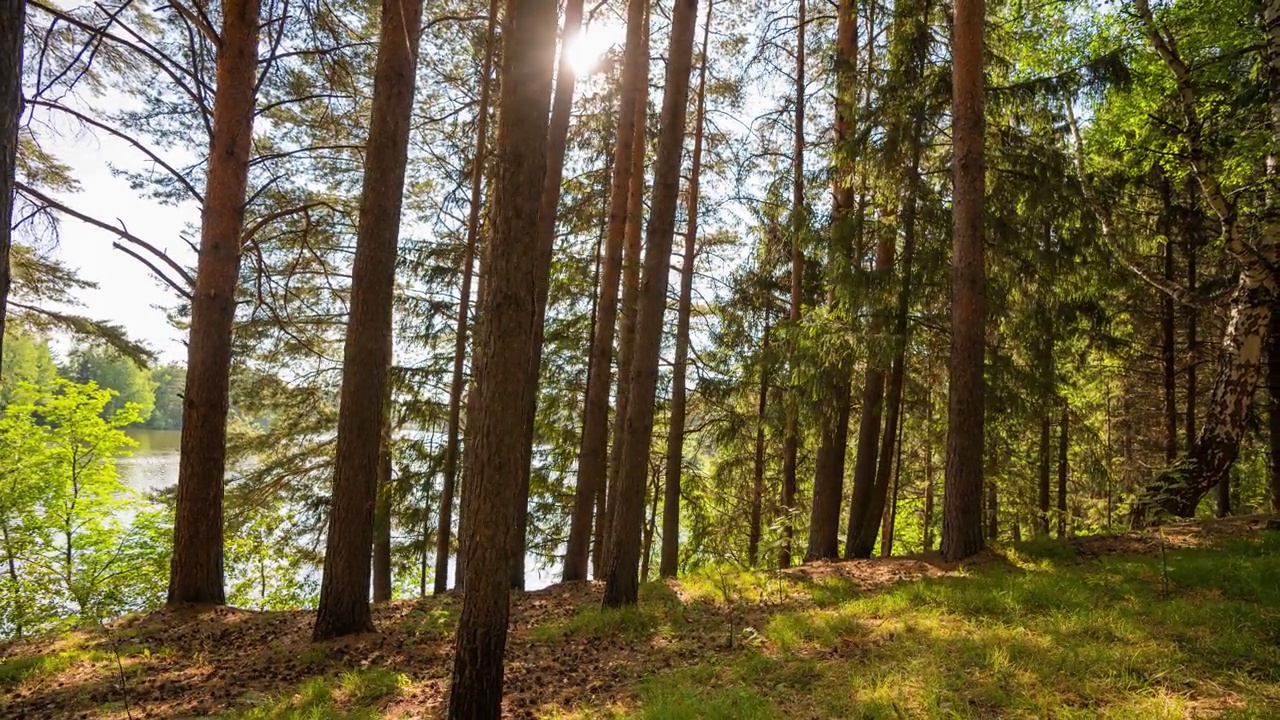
x=353, y=695
x=17, y=669
x=1045, y=635
x=658, y=612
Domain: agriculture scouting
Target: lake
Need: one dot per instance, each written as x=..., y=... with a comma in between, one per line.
x=154, y=465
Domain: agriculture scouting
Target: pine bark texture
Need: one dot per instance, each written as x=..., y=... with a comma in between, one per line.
x=195, y=573
x=458, y=383
x=593, y=458
x=669, y=561
x=382, y=579
x=623, y=541
x=754, y=530
x=1273, y=410
x=503, y=349
x=344, y=588
x=12, y=20
x=962, y=507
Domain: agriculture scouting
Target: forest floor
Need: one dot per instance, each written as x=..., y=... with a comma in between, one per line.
x=1178, y=623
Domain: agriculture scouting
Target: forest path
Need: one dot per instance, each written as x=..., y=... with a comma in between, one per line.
x=1179, y=622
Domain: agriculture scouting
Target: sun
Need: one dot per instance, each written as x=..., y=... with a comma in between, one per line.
x=586, y=50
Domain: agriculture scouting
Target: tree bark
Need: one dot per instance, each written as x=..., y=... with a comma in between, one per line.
x=791, y=439
x=344, y=588
x=382, y=580
x=828, y=485
x=623, y=541
x=592, y=459
x=962, y=513
x=1042, y=506
x=458, y=384
x=12, y=22
x=630, y=275
x=669, y=563
x=927, y=519
x=1273, y=410
x=1063, y=470
x=557, y=134
x=503, y=350
x=195, y=574
x=757, y=486
x=1167, y=344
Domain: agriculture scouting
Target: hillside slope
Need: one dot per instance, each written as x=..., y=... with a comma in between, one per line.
x=1180, y=623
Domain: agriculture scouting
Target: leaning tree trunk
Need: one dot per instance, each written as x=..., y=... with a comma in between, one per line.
x=12, y=20
x=344, y=588
x=502, y=368
x=962, y=506
x=669, y=563
x=195, y=573
x=557, y=133
x=622, y=552
x=458, y=384
x=592, y=458
x=828, y=479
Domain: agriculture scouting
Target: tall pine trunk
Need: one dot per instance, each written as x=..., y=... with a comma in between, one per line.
x=828, y=480
x=927, y=511
x=344, y=588
x=593, y=456
x=503, y=348
x=1273, y=409
x=382, y=579
x=458, y=383
x=669, y=562
x=962, y=511
x=1043, y=487
x=195, y=574
x=757, y=486
x=557, y=134
x=1063, y=470
x=12, y=21
x=791, y=439
x=623, y=540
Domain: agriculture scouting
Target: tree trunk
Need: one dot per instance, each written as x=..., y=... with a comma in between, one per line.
x=1063, y=470
x=962, y=513
x=592, y=459
x=503, y=350
x=861, y=522
x=757, y=486
x=344, y=589
x=828, y=481
x=458, y=384
x=1170, y=368
x=993, y=494
x=558, y=132
x=382, y=583
x=669, y=563
x=623, y=540
x=1273, y=410
x=927, y=520
x=1046, y=452
x=650, y=528
x=891, y=517
x=195, y=574
x=791, y=439
x=12, y=22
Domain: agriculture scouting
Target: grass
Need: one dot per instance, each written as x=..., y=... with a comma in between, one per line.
x=1041, y=635
x=352, y=695
x=17, y=669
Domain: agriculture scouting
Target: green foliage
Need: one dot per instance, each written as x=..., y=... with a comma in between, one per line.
x=169, y=382
x=131, y=383
x=77, y=545
x=353, y=695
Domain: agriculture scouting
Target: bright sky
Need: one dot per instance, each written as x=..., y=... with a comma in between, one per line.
x=127, y=293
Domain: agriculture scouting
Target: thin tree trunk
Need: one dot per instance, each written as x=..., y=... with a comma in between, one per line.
x=757, y=487
x=195, y=574
x=592, y=459
x=828, y=486
x=927, y=520
x=597, y=503
x=557, y=133
x=623, y=539
x=1167, y=355
x=891, y=518
x=669, y=563
x=458, y=384
x=650, y=527
x=344, y=588
x=1042, y=506
x=503, y=349
x=12, y=22
x=1063, y=470
x=1273, y=410
x=962, y=515
x=791, y=440
x=993, y=494
x=382, y=580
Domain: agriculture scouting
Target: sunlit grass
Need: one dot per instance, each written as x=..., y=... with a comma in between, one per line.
x=352, y=695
